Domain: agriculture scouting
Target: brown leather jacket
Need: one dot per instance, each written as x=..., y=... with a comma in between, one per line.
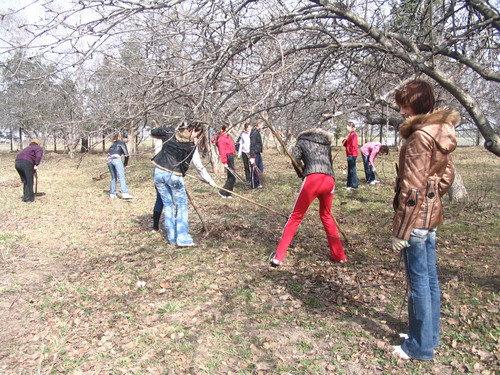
x=425, y=170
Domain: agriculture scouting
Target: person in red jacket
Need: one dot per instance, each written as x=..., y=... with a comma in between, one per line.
x=226, y=152
x=351, y=149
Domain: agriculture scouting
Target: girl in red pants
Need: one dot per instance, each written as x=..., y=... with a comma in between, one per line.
x=313, y=153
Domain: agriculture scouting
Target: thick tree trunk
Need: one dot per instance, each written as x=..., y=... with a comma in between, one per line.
x=85, y=145
x=458, y=192
x=131, y=138
x=214, y=157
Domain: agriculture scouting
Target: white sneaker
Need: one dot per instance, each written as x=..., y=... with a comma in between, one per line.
x=222, y=196
x=186, y=244
x=112, y=196
x=376, y=181
x=398, y=352
x=348, y=188
x=127, y=196
x=372, y=183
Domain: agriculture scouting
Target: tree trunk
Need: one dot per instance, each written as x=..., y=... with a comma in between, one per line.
x=458, y=192
x=85, y=145
x=131, y=138
x=20, y=138
x=11, y=140
x=219, y=169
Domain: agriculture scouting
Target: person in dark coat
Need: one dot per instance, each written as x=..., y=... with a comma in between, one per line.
x=27, y=162
x=313, y=151
x=257, y=165
x=179, y=150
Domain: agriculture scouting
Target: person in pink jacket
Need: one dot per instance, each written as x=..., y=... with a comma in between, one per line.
x=226, y=152
x=369, y=152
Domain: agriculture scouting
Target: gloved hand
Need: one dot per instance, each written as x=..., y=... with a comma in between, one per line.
x=398, y=244
x=225, y=165
x=373, y=169
x=252, y=161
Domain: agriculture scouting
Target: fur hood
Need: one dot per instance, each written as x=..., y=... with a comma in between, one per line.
x=439, y=124
x=316, y=135
x=183, y=135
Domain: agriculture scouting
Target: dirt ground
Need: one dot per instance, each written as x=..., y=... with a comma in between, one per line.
x=87, y=288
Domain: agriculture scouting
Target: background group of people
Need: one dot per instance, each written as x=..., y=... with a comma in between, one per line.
x=424, y=175
x=369, y=151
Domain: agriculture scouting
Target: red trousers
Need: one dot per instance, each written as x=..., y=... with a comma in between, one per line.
x=321, y=186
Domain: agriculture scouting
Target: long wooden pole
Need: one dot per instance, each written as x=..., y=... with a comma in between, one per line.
x=245, y=199
x=197, y=212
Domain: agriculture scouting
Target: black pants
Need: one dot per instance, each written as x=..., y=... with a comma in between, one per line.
x=246, y=164
x=257, y=171
x=26, y=172
x=231, y=179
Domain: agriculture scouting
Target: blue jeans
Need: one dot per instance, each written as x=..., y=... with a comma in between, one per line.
x=352, y=174
x=369, y=173
x=424, y=296
x=116, y=169
x=175, y=206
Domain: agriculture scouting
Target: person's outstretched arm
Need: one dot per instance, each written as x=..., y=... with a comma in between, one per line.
x=196, y=161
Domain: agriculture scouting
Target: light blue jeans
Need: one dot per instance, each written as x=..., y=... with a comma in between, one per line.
x=116, y=169
x=175, y=206
x=424, y=296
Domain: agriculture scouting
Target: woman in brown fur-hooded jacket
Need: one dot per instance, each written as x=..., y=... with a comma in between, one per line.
x=313, y=153
x=425, y=174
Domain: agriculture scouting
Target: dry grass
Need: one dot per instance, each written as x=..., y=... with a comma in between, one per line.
x=71, y=261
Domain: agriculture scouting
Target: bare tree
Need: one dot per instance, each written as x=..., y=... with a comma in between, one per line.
x=232, y=59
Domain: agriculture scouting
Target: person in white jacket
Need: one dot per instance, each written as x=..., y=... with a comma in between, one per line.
x=244, y=150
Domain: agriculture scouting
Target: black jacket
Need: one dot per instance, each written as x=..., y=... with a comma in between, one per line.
x=255, y=142
x=175, y=154
x=313, y=152
x=119, y=148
